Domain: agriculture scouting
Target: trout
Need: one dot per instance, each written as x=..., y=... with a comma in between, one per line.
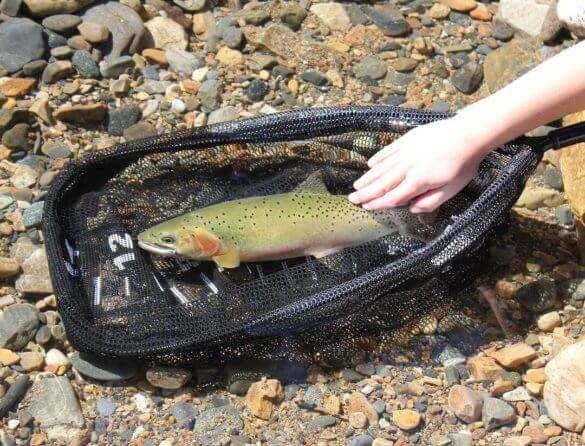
x=308, y=221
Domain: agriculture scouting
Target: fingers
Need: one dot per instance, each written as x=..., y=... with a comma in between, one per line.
x=383, y=154
x=386, y=182
x=401, y=194
x=375, y=172
x=431, y=200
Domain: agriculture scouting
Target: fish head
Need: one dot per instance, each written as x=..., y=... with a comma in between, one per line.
x=173, y=239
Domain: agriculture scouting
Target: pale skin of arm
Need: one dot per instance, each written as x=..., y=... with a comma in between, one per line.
x=432, y=163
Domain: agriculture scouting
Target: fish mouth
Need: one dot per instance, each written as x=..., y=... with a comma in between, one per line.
x=155, y=248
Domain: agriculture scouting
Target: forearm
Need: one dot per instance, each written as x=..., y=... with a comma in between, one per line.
x=548, y=92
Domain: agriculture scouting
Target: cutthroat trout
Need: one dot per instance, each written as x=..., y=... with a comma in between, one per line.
x=309, y=220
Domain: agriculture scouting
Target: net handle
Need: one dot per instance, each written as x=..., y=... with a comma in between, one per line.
x=559, y=138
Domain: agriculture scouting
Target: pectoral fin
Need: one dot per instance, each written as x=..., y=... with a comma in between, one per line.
x=313, y=184
x=231, y=259
x=325, y=252
x=206, y=242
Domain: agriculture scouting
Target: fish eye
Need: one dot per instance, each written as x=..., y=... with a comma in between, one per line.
x=168, y=239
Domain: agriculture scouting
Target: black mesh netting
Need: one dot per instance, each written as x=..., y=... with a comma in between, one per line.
x=118, y=300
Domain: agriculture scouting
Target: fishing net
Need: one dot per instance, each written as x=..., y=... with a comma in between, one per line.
x=115, y=299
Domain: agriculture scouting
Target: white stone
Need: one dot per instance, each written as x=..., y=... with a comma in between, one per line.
x=524, y=15
x=548, y=321
x=56, y=358
x=571, y=13
x=200, y=74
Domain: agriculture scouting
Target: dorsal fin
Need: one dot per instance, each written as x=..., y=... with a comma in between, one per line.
x=314, y=184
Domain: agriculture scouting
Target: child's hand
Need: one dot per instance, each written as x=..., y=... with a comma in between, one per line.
x=426, y=167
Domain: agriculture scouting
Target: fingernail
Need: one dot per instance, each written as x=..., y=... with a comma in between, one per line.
x=367, y=206
x=357, y=184
x=353, y=197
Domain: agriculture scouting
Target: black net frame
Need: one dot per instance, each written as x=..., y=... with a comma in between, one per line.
x=383, y=296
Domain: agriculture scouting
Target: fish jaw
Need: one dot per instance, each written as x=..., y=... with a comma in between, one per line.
x=157, y=249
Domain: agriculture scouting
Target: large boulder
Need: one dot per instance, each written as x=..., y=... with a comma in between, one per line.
x=524, y=15
x=42, y=8
x=572, y=164
x=21, y=41
x=564, y=390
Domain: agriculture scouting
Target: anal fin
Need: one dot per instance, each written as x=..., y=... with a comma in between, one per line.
x=230, y=259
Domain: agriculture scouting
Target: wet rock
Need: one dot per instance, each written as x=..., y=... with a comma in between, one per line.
x=509, y=62
x=183, y=61
x=357, y=402
x=43, y=8
x=525, y=15
x=102, y=369
x=564, y=391
x=389, y=20
x=538, y=296
x=53, y=404
x=168, y=378
x=263, y=396
x=82, y=114
x=125, y=27
x=370, y=67
x=332, y=15
x=406, y=419
x=468, y=78
x=94, y=32
x=515, y=355
x=215, y=426
x=62, y=23
x=185, y=414
x=17, y=137
x=166, y=34
x=85, y=65
x=21, y=41
x=18, y=324
x=497, y=413
x=465, y=404
x=122, y=118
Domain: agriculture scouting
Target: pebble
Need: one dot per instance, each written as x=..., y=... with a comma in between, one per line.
x=181, y=61
x=168, y=378
x=518, y=394
x=140, y=130
x=94, y=32
x=406, y=419
x=263, y=396
x=56, y=358
x=18, y=324
x=106, y=406
x=321, y=422
x=468, y=78
x=102, y=369
x=53, y=403
x=17, y=137
x=370, y=67
x=21, y=41
x=535, y=433
x=31, y=361
x=359, y=403
x=465, y=403
x=85, y=65
x=358, y=420
x=549, y=321
x=224, y=114
x=57, y=71
x=230, y=57
x=514, y=356
x=333, y=15
x=497, y=413
x=215, y=425
x=122, y=118
x=518, y=441
x=315, y=77
x=62, y=23
x=257, y=90
x=538, y=296
x=116, y=67
x=389, y=20
x=185, y=414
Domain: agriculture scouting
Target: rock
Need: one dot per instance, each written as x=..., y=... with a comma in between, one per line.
x=140, y=130
x=333, y=15
x=56, y=358
x=405, y=64
x=483, y=367
x=518, y=394
x=535, y=198
x=518, y=441
x=166, y=34
x=460, y=5
x=82, y=114
x=361, y=440
x=209, y=94
x=535, y=433
x=53, y=404
x=548, y=321
x=524, y=15
x=515, y=356
x=122, y=118
x=94, y=32
x=183, y=61
x=10, y=8
x=538, y=296
x=62, y=23
x=572, y=158
x=439, y=11
x=357, y=402
x=214, y=426
x=564, y=391
x=85, y=65
x=204, y=25
x=190, y=5
x=230, y=57
x=43, y=8
x=17, y=137
x=571, y=15
x=552, y=25
x=481, y=12
x=358, y=420
x=8, y=267
x=509, y=62
x=263, y=396
x=32, y=215
x=389, y=20
x=168, y=378
x=255, y=14
x=106, y=406
x=321, y=422
x=34, y=68
x=185, y=414
x=406, y=419
x=497, y=413
x=31, y=361
x=9, y=118
x=18, y=324
x=465, y=404
x=553, y=178
x=117, y=67
x=62, y=52
x=16, y=86
x=156, y=57
x=293, y=16
x=125, y=27
x=468, y=78
x=370, y=67
x=56, y=71
x=79, y=43
x=102, y=369
x=257, y=90
x=315, y=77
x=21, y=41
x=233, y=37
x=8, y=357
